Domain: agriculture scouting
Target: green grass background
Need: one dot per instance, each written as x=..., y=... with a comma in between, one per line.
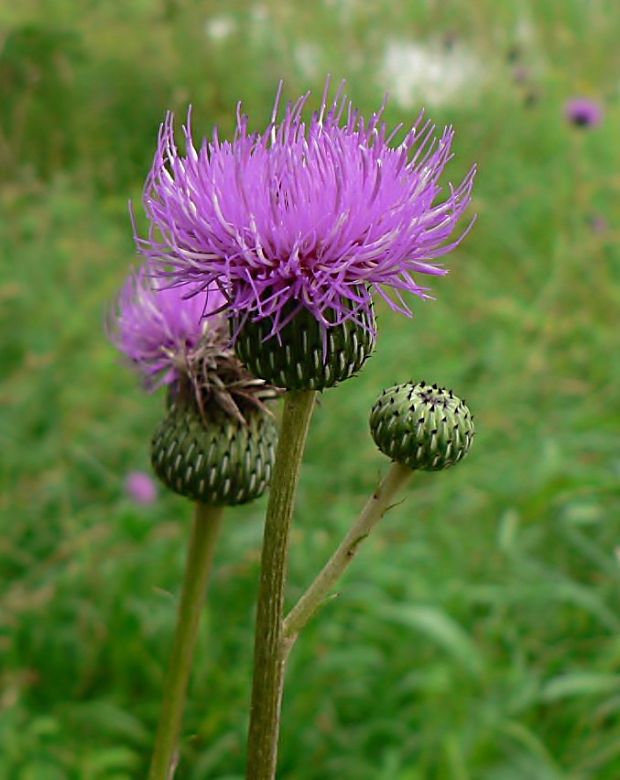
x=477, y=635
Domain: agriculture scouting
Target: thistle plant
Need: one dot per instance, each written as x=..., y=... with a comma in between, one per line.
x=298, y=227
x=216, y=444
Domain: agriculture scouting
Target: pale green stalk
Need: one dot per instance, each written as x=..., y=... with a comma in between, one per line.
x=269, y=656
x=205, y=529
x=376, y=506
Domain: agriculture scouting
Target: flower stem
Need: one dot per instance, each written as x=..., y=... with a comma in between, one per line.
x=269, y=656
x=376, y=506
x=205, y=528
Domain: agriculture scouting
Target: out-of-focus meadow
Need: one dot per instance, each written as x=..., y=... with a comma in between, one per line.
x=477, y=636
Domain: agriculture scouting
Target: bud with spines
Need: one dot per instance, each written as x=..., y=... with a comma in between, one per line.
x=211, y=456
x=304, y=355
x=422, y=426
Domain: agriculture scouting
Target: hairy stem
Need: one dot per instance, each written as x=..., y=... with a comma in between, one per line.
x=268, y=648
x=206, y=525
x=376, y=506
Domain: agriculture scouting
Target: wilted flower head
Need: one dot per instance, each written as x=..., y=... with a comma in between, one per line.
x=584, y=112
x=306, y=214
x=159, y=327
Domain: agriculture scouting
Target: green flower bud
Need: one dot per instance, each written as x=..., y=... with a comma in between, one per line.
x=215, y=458
x=422, y=426
x=304, y=355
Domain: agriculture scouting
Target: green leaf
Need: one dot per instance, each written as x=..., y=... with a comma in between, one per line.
x=441, y=629
x=580, y=684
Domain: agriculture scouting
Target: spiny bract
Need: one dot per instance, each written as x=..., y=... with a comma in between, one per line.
x=218, y=461
x=304, y=356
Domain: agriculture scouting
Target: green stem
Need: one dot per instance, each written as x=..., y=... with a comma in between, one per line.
x=206, y=525
x=268, y=648
x=376, y=506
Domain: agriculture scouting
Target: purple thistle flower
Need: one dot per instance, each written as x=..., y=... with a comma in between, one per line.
x=315, y=214
x=583, y=112
x=141, y=488
x=157, y=326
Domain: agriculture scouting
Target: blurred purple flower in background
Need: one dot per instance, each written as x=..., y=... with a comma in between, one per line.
x=521, y=74
x=157, y=326
x=140, y=487
x=583, y=112
x=315, y=214
x=598, y=223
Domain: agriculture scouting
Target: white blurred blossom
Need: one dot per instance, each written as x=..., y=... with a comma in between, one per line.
x=219, y=28
x=415, y=73
x=308, y=57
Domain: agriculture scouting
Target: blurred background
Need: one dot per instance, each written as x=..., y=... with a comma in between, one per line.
x=477, y=635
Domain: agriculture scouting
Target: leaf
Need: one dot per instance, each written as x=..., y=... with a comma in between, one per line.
x=441, y=629
x=580, y=684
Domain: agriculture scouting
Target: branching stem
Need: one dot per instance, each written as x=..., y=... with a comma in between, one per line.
x=376, y=506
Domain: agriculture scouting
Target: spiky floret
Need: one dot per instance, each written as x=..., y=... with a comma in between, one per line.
x=214, y=457
x=303, y=356
x=313, y=214
x=422, y=426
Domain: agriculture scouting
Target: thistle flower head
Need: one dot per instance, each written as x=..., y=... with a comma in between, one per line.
x=177, y=336
x=584, y=112
x=159, y=327
x=307, y=214
x=216, y=442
